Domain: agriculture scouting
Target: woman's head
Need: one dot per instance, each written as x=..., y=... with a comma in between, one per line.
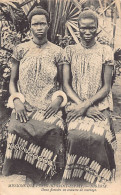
x=88, y=24
x=39, y=22
x=38, y=10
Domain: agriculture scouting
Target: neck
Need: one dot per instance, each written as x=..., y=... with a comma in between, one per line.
x=39, y=41
x=88, y=44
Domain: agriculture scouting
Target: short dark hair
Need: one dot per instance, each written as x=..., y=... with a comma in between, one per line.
x=38, y=10
x=88, y=13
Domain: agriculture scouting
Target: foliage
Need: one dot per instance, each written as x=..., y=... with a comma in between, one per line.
x=9, y=36
x=4, y=74
x=117, y=58
x=4, y=68
x=14, y=13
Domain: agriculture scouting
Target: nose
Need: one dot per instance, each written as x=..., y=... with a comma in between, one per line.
x=39, y=27
x=87, y=31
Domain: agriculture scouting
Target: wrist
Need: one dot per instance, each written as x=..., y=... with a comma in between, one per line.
x=14, y=98
x=58, y=101
x=88, y=103
x=61, y=97
x=79, y=102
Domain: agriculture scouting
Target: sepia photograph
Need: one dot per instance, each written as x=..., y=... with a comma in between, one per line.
x=60, y=97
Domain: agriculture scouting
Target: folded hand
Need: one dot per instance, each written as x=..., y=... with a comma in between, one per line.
x=95, y=114
x=53, y=108
x=75, y=111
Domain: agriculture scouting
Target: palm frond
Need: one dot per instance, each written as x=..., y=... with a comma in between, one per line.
x=72, y=32
x=118, y=5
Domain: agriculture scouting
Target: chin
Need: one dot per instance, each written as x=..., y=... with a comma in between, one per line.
x=39, y=36
x=88, y=40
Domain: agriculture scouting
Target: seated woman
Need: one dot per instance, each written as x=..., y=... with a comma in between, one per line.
x=35, y=146
x=87, y=75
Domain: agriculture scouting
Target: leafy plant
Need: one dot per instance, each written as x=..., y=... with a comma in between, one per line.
x=14, y=13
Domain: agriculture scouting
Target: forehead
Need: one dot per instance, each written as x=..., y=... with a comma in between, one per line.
x=38, y=18
x=87, y=22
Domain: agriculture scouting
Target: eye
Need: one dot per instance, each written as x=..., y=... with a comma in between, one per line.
x=93, y=28
x=41, y=24
x=44, y=24
x=34, y=24
x=82, y=28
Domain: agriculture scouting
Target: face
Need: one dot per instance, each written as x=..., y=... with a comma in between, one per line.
x=39, y=26
x=88, y=29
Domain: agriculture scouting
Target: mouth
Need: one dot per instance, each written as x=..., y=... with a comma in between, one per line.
x=39, y=33
x=87, y=37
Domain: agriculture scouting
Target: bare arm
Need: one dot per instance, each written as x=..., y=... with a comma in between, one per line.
x=93, y=112
x=14, y=76
x=79, y=108
x=55, y=105
x=66, y=84
x=104, y=91
x=60, y=76
x=19, y=106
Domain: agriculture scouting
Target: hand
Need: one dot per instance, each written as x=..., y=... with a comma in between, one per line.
x=95, y=114
x=76, y=111
x=21, y=113
x=53, y=108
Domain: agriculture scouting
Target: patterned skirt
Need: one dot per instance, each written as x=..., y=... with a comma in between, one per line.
x=35, y=148
x=90, y=151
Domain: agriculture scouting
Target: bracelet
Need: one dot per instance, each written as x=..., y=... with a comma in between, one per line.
x=15, y=95
x=62, y=94
x=15, y=98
